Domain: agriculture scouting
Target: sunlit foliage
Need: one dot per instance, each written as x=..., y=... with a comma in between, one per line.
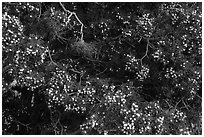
x=101, y=68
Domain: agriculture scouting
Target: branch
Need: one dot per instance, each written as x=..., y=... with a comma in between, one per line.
x=51, y=57
x=146, y=52
x=178, y=102
x=186, y=106
x=56, y=122
x=6, y=68
x=77, y=132
x=147, y=48
x=40, y=11
x=168, y=103
x=75, y=71
x=95, y=60
x=81, y=74
x=198, y=96
x=140, y=39
x=25, y=125
x=73, y=13
x=101, y=72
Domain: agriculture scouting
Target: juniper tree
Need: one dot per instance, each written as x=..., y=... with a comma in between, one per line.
x=101, y=68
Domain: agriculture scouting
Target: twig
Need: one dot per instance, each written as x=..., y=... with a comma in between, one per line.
x=101, y=72
x=130, y=44
x=75, y=71
x=186, y=106
x=40, y=12
x=26, y=125
x=140, y=39
x=95, y=60
x=60, y=38
x=168, y=104
x=73, y=13
x=81, y=74
x=75, y=132
x=147, y=49
x=146, y=52
x=178, y=103
x=65, y=8
x=152, y=46
x=71, y=93
x=51, y=57
x=57, y=122
x=6, y=68
x=198, y=96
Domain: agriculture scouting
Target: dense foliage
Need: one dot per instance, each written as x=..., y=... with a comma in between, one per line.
x=101, y=68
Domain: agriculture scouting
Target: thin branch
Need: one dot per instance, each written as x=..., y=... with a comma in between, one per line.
x=140, y=39
x=78, y=131
x=152, y=46
x=75, y=15
x=168, y=104
x=81, y=74
x=186, y=106
x=146, y=52
x=25, y=125
x=6, y=68
x=101, y=72
x=70, y=94
x=65, y=8
x=147, y=48
x=51, y=57
x=95, y=60
x=198, y=96
x=54, y=124
x=178, y=102
x=75, y=71
x=40, y=11
x=130, y=44
x=82, y=25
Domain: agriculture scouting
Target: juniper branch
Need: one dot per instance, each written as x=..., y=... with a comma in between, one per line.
x=75, y=15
